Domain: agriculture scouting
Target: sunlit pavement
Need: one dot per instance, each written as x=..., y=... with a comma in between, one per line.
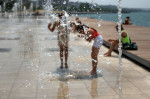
x=29, y=67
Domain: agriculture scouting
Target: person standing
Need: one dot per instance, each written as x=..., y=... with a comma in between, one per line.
x=62, y=37
x=91, y=34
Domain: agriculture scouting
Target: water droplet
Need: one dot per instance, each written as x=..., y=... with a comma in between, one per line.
x=64, y=2
x=42, y=87
x=94, y=4
x=49, y=54
x=101, y=55
x=86, y=69
x=45, y=96
x=107, y=62
x=99, y=25
x=99, y=71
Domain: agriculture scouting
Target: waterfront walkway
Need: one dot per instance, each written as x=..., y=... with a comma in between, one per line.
x=29, y=67
x=138, y=34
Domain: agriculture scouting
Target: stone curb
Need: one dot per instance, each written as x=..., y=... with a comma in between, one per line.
x=133, y=57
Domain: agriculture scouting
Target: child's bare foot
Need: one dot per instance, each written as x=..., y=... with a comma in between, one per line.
x=61, y=66
x=93, y=74
x=107, y=54
x=66, y=65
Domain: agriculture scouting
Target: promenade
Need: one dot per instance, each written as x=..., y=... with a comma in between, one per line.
x=138, y=34
x=29, y=66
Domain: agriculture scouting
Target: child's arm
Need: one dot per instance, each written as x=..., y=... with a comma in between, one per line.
x=88, y=36
x=73, y=27
x=53, y=28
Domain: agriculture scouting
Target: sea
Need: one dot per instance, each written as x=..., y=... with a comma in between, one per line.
x=137, y=18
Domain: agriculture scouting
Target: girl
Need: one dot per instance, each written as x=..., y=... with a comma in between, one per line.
x=62, y=37
x=91, y=34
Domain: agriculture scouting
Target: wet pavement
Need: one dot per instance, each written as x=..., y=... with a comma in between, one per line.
x=29, y=67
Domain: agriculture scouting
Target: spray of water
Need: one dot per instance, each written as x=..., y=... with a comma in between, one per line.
x=119, y=49
x=66, y=22
x=0, y=10
x=48, y=7
x=24, y=11
x=4, y=6
x=31, y=9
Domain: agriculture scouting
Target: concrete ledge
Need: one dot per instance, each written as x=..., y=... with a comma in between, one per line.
x=130, y=55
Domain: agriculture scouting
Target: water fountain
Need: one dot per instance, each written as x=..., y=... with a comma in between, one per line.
x=4, y=9
x=29, y=42
x=15, y=13
x=48, y=7
x=31, y=9
x=4, y=6
x=24, y=11
x=0, y=10
x=119, y=49
x=20, y=3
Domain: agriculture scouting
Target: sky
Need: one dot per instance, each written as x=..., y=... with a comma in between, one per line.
x=124, y=3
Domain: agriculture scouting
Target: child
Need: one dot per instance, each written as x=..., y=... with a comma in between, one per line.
x=91, y=34
x=62, y=37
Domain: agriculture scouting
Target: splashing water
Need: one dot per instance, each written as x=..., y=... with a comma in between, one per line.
x=99, y=24
x=119, y=49
x=85, y=30
x=24, y=11
x=63, y=75
x=0, y=10
x=94, y=4
x=48, y=7
x=4, y=6
x=31, y=9
x=64, y=2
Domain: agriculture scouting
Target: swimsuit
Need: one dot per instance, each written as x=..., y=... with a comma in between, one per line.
x=98, y=40
x=62, y=34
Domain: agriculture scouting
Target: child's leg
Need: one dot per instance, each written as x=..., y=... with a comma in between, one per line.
x=66, y=56
x=94, y=55
x=115, y=43
x=98, y=41
x=61, y=54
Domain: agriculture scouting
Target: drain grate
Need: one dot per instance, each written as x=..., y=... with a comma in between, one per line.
x=5, y=49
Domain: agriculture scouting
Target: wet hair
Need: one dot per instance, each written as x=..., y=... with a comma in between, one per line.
x=80, y=27
x=60, y=15
x=127, y=17
x=77, y=18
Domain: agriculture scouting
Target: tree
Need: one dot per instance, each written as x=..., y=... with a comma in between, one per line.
x=84, y=7
x=1, y=2
x=9, y=5
x=73, y=9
